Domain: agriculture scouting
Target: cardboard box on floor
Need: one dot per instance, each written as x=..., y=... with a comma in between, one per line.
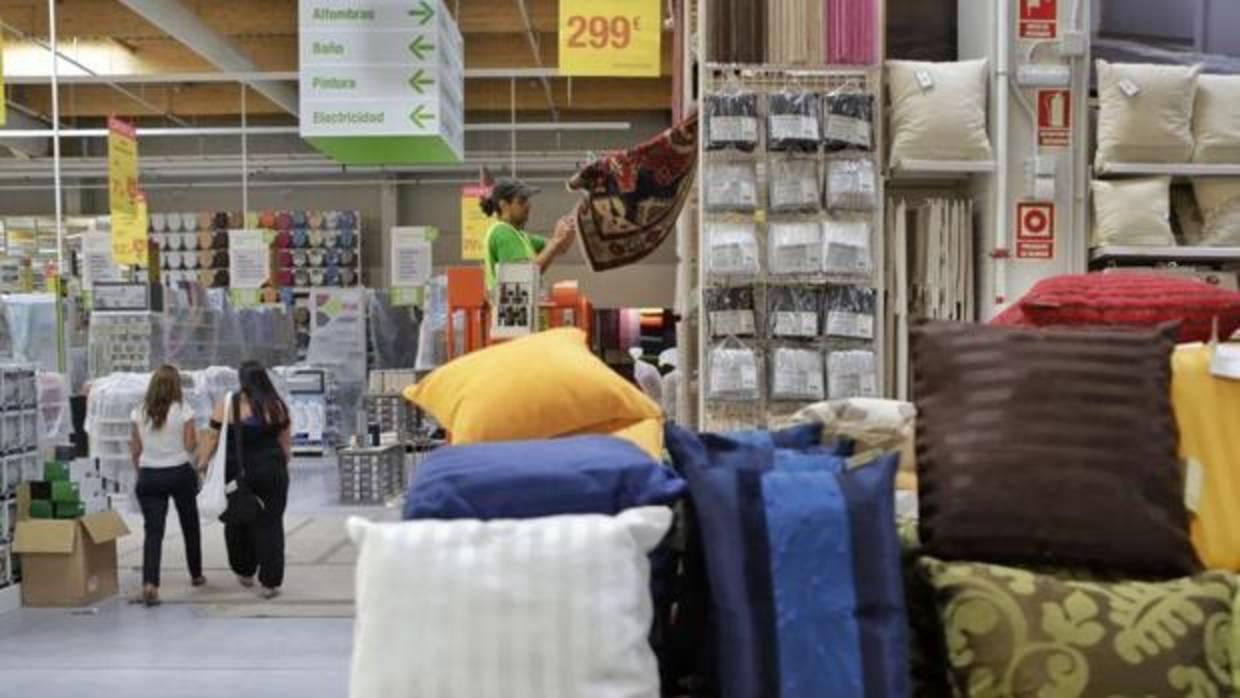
x=70, y=562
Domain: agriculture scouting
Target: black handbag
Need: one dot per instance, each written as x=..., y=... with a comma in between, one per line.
x=244, y=507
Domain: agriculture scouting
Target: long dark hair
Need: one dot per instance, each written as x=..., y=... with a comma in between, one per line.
x=490, y=205
x=265, y=402
x=163, y=391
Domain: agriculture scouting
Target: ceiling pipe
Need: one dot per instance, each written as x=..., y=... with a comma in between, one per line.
x=246, y=76
x=179, y=22
x=536, y=49
x=200, y=131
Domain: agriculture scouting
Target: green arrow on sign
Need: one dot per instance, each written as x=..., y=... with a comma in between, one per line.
x=421, y=80
x=420, y=116
x=424, y=13
x=420, y=46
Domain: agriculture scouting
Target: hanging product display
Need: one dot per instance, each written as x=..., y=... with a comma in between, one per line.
x=733, y=372
x=730, y=312
x=793, y=122
x=851, y=374
x=848, y=120
x=849, y=312
x=793, y=186
x=795, y=248
x=847, y=247
x=732, y=121
x=794, y=311
x=731, y=186
x=732, y=249
x=797, y=375
x=852, y=185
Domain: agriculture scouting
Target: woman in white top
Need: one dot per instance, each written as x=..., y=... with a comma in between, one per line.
x=162, y=443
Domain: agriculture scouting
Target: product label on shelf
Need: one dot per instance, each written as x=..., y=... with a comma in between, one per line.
x=733, y=129
x=853, y=325
x=846, y=129
x=794, y=127
x=795, y=324
x=731, y=322
x=249, y=259
x=611, y=38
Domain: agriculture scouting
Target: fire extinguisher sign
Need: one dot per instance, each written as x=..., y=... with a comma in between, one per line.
x=1054, y=118
x=1039, y=19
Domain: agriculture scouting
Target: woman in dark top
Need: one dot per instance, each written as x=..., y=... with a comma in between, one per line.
x=264, y=430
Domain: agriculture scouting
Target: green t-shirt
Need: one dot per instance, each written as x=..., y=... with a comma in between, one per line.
x=506, y=244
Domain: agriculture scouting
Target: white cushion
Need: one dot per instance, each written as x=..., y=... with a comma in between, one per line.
x=541, y=608
x=1216, y=119
x=1133, y=212
x=1153, y=125
x=1218, y=199
x=945, y=121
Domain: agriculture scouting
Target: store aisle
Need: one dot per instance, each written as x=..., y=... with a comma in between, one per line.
x=186, y=648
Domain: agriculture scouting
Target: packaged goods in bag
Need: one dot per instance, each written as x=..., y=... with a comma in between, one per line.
x=852, y=185
x=731, y=186
x=851, y=374
x=732, y=249
x=794, y=311
x=793, y=122
x=848, y=121
x=846, y=248
x=732, y=121
x=850, y=312
x=730, y=311
x=795, y=248
x=794, y=186
x=733, y=372
x=797, y=374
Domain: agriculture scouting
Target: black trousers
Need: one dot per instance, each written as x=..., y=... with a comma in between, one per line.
x=155, y=487
x=259, y=547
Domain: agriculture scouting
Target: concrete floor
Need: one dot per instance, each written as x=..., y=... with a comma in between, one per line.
x=119, y=649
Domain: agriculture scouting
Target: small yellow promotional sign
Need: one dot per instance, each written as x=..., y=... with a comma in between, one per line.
x=611, y=38
x=474, y=223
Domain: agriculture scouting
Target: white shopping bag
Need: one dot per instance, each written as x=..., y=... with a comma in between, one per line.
x=211, y=498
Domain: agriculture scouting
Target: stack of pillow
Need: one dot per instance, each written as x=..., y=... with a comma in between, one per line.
x=1165, y=114
x=1054, y=538
x=533, y=559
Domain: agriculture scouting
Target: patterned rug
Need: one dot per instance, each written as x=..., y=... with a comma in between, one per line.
x=632, y=199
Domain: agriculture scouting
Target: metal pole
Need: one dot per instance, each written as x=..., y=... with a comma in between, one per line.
x=57, y=191
x=245, y=160
x=512, y=120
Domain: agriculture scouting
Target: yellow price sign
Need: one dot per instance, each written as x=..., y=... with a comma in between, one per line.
x=611, y=38
x=129, y=234
x=474, y=223
x=122, y=167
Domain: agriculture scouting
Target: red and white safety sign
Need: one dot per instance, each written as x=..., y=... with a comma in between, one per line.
x=1039, y=19
x=1035, y=230
x=1054, y=118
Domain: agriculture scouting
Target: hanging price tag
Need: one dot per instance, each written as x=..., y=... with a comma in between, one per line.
x=610, y=38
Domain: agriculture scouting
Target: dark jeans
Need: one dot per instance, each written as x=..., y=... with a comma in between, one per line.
x=155, y=487
x=259, y=547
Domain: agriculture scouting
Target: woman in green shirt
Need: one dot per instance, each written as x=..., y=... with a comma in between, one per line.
x=507, y=241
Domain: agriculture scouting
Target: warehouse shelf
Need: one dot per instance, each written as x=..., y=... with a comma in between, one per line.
x=938, y=169
x=1154, y=169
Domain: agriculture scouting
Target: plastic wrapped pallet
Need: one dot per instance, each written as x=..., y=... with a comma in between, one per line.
x=33, y=326
x=55, y=420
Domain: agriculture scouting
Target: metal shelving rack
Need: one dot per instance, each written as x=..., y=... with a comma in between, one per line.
x=694, y=335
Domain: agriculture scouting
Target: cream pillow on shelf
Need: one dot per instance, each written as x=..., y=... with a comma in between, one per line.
x=1218, y=199
x=938, y=110
x=1147, y=112
x=1216, y=120
x=1133, y=212
x=555, y=607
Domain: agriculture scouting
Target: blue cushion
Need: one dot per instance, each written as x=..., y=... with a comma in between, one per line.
x=803, y=561
x=531, y=479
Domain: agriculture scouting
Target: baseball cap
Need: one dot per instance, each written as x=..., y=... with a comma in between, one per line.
x=509, y=188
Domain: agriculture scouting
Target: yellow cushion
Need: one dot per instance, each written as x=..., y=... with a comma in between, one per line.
x=647, y=434
x=537, y=387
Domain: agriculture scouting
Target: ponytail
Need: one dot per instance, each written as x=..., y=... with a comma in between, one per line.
x=489, y=206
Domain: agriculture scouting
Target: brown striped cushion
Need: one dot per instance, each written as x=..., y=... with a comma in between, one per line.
x=1050, y=447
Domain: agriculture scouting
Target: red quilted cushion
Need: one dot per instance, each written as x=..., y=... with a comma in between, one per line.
x=1014, y=316
x=1133, y=299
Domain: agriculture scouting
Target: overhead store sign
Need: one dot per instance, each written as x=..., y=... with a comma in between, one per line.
x=126, y=203
x=1035, y=230
x=1054, y=118
x=474, y=223
x=1039, y=19
x=382, y=83
x=611, y=38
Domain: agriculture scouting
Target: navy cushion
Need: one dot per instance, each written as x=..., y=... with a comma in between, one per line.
x=803, y=560
x=531, y=479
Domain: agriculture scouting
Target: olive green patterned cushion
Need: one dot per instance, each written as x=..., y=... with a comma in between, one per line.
x=1013, y=634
